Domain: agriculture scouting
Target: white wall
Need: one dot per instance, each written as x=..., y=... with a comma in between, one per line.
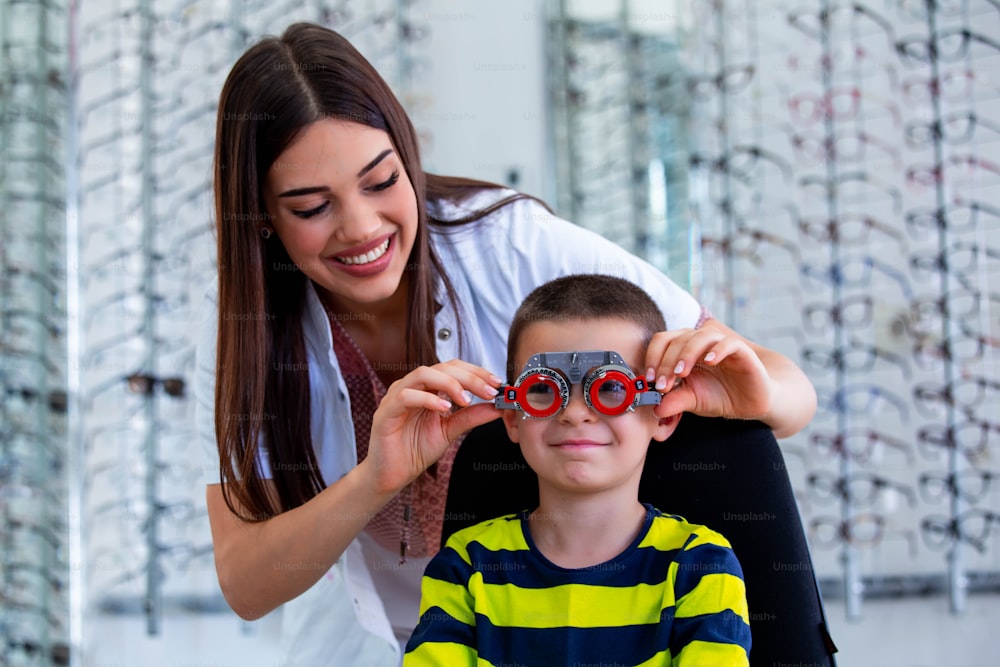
x=487, y=89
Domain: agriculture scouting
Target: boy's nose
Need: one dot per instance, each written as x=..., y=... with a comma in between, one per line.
x=576, y=409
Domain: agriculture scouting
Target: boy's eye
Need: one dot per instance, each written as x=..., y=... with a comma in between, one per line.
x=612, y=393
x=540, y=395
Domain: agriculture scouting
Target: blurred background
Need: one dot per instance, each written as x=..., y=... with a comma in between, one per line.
x=822, y=174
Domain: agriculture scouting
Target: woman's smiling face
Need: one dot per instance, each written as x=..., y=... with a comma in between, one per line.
x=343, y=207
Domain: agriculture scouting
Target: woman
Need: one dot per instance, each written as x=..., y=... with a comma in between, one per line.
x=343, y=266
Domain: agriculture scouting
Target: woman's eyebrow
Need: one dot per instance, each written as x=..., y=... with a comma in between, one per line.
x=298, y=192
x=374, y=163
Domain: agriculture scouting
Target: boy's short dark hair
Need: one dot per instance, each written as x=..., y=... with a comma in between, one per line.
x=584, y=297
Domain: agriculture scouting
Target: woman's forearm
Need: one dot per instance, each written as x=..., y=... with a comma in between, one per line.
x=262, y=565
x=793, y=400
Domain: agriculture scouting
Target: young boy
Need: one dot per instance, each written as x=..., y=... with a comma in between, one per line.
x=590, y=576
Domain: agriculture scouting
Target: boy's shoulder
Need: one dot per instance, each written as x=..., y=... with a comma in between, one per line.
x=502, y=532
x=673, y=531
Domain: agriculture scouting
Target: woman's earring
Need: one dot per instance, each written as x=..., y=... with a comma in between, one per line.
x=265, y=233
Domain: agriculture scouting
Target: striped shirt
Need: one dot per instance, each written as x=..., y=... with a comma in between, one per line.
x=675, y=596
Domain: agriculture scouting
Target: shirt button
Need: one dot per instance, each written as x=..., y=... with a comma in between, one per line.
x=444, y=334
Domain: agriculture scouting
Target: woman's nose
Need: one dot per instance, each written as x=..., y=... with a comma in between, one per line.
x=355, y=221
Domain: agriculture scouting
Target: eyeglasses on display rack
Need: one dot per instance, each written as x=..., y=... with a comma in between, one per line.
x=741, y=162
x=959, y=304
x=849, y=229
x=849, y=146
x=835, y=188
x=963, y=169
x=856, y=272
x=145, y=384
x=855, y=356
x=960, y=258
x=748, y=243
x=863, y=530
x=840, y=104
x=26, y=322
x=860, y=488
x=952, y=85
x=970, y=485
x=862, y=398
x=858, y=445
x=970, y=438
x=972, y=526
x=852, y=312
x=956, y=128
x=964, y=348
x=962, y=215
x=729, y=80
x=919, y=9
x=966, y=393
x=55, y=399
x=947, y=46
x=816, y=24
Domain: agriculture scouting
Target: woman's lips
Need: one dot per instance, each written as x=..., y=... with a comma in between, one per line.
x=367, y=259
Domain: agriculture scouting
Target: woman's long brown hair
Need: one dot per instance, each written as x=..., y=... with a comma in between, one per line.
x=278, y=87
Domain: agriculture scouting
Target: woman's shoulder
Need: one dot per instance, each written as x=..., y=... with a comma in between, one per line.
x=467, y=203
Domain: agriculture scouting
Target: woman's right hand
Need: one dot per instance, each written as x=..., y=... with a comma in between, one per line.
x=421, y=414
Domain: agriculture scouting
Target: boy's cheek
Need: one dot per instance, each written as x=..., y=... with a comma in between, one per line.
x=511, y=420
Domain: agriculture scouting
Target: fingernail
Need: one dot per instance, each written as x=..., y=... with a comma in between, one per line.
x=492, y=391
x=661, y=383
x=444, y=403
x=710, y=356
x=679, y=368
x=495, y=380
x=466, y=396
x=650, y=374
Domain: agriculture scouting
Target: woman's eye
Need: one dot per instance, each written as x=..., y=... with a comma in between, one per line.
x=386, y=184
x=311, y=212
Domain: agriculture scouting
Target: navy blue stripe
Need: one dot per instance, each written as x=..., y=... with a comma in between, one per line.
x=529, y=569
x=447, y=565
x=525, y=569
x=437, y=626
x=695, y=563
x=725, y=627
x=546, y=647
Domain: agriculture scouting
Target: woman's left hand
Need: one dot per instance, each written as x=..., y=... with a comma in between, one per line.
x=714, y=372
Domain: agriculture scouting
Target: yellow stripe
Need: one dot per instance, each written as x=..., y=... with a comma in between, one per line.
x=570, y=605
x=667, y=533
x=440, y=655
x=713, y=594
x=708, y=536
x=454, y=599
x=710, y=654
x=501, y=535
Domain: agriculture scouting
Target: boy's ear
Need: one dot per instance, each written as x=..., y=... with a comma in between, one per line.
x=665, y=427
x=511, y=420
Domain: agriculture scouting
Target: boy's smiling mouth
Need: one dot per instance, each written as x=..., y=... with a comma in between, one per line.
x=578, y=444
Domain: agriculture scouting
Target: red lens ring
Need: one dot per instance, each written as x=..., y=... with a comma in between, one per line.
x=522, y=395
x=592, y=391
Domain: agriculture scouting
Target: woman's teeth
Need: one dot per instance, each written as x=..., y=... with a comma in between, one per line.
x=368, y=257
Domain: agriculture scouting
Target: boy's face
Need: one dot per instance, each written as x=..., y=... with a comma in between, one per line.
x=580, y=449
